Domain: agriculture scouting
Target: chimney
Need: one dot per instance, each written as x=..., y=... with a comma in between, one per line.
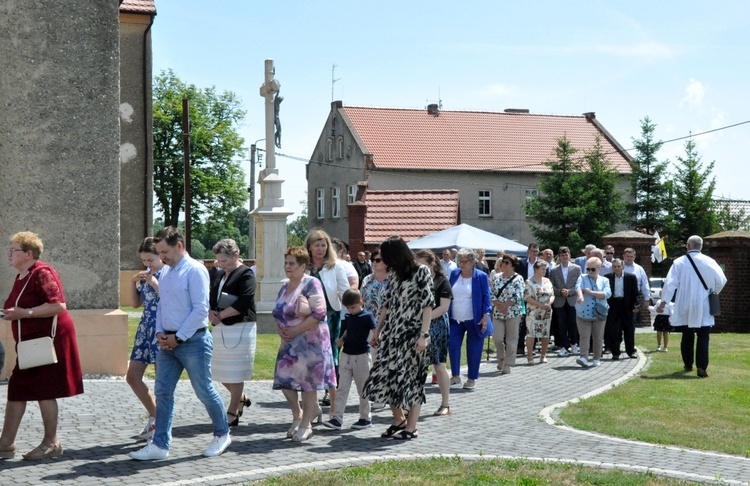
x=433, y=109
x=590, y=115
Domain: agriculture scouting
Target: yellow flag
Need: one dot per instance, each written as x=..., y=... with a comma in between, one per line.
x=662, y=248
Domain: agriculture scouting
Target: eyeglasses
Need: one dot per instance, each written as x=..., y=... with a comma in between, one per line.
x=461, y=262
x=592, y=269
x=11, y=250
x=377, y=260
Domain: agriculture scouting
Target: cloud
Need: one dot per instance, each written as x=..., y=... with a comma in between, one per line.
x=694, y=93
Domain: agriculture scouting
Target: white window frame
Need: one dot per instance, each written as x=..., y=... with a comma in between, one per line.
x=335, y=202
x=351, y=194
x=485, y=199
x=320, y=203
x=530, y=194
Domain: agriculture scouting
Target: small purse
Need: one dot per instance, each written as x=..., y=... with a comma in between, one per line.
x=303, y=306
x=35, y=352
x=601, y=310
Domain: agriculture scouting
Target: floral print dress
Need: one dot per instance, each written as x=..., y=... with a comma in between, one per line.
x=306, y=362
x=144, y=345
x=538, y=320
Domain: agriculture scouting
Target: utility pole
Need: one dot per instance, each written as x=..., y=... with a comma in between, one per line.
x=186, y=154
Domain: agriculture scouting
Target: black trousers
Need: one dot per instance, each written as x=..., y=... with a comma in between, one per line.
x=701, y=348
x=619, y=324
x=567, y=327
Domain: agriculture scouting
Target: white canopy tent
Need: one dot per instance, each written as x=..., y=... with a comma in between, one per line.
x=466, y=236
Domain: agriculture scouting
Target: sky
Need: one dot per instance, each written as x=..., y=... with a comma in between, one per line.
x=685, y=65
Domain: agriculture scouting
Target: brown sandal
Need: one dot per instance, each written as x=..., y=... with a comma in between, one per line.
x=442, y=410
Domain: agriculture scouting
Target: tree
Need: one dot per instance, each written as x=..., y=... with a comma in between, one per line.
x=649, y=190
x=692, y=207
x=730, y=219
x=217, y=180
x=296, y=231
x=579, y=201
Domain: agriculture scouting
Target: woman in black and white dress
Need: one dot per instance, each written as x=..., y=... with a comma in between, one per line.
x=232, y=314
x=399, y=372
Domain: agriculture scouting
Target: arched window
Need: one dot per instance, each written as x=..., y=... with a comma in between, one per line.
x=340, y=148
x=329, y=150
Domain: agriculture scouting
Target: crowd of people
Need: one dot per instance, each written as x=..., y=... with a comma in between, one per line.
x=380, y=321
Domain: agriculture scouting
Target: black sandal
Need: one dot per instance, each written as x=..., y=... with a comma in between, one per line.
x=236, y=421
x=406, y=435
x=393, y=429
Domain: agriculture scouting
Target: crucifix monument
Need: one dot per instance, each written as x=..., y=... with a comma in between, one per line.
x=270, y=215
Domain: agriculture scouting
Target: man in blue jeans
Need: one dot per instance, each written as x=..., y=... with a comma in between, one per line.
x=185, y=344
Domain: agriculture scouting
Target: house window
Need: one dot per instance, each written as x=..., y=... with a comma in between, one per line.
x=335, y=202
x=329, y=149
x=340, y=148
x=320, y=203
x=351, y=194
x=530, y=194
x=485, y=204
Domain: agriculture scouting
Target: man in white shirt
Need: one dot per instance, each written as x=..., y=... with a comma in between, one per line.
x=549, y=256
x=691, y=307
x=644, y=289
x=446, y=262
x=606, y=267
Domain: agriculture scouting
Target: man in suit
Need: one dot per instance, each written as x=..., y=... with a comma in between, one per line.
x=621, y=305
x=564, y=278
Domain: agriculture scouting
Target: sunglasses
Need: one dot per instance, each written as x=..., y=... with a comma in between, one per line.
x=377, y=260
x=592, y=269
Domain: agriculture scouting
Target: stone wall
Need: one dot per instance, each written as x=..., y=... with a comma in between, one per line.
x=731, y=250
x=59, y=151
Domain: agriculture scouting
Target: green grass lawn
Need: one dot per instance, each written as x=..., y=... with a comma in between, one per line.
x=664, y=405
x=455, y=471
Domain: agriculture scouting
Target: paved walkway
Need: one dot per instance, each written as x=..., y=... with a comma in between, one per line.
x=506, y=416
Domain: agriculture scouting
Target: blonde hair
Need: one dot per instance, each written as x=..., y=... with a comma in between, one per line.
x=29, y=242
x=316, y=235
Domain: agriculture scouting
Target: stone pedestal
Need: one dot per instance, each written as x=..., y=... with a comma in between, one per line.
x=731, y=250
x=642, y=244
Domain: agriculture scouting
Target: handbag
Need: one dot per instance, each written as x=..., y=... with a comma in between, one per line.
x=714, y=306
x=601, y=310
x=226, y=300
x=303, y=306
x=35, y=352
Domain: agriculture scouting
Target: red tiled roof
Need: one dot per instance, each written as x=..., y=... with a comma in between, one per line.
x=472, y=140
x=138, y=6
x=409, y=214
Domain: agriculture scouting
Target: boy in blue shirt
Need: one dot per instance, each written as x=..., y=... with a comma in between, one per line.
x=354, y=360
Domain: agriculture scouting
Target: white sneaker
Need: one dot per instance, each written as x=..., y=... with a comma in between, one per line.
x=665, y=350
x=148, y=430
x=596, y=363
x=218, y=445
x=149, y=453
x=455, y=382
x=582, y=361
x=575, y=350
x=563, y=352
x=658, y=347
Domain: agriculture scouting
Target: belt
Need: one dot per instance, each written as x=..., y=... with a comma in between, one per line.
x=203, y=329
x=618, y=298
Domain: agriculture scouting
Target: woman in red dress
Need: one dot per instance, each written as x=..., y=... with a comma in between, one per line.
x=37, y=297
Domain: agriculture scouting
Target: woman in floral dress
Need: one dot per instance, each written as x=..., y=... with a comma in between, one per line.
x=399, y=372
x=304, y=363
x=539, y=295
x=144, y=291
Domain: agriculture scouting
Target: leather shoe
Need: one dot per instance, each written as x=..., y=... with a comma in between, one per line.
x=702, y=373
x=688, y=368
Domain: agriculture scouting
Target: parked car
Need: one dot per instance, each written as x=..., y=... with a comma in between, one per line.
x=656, y=285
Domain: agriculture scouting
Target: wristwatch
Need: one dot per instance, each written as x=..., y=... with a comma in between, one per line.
x=425, y=335
x=31, y=312
x=179, y=341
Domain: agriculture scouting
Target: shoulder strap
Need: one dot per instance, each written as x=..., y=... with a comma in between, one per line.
x=696, y=271
x=18, y=322
x=510, y=280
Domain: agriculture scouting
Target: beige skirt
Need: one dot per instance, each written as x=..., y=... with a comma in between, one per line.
x=234, y=352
